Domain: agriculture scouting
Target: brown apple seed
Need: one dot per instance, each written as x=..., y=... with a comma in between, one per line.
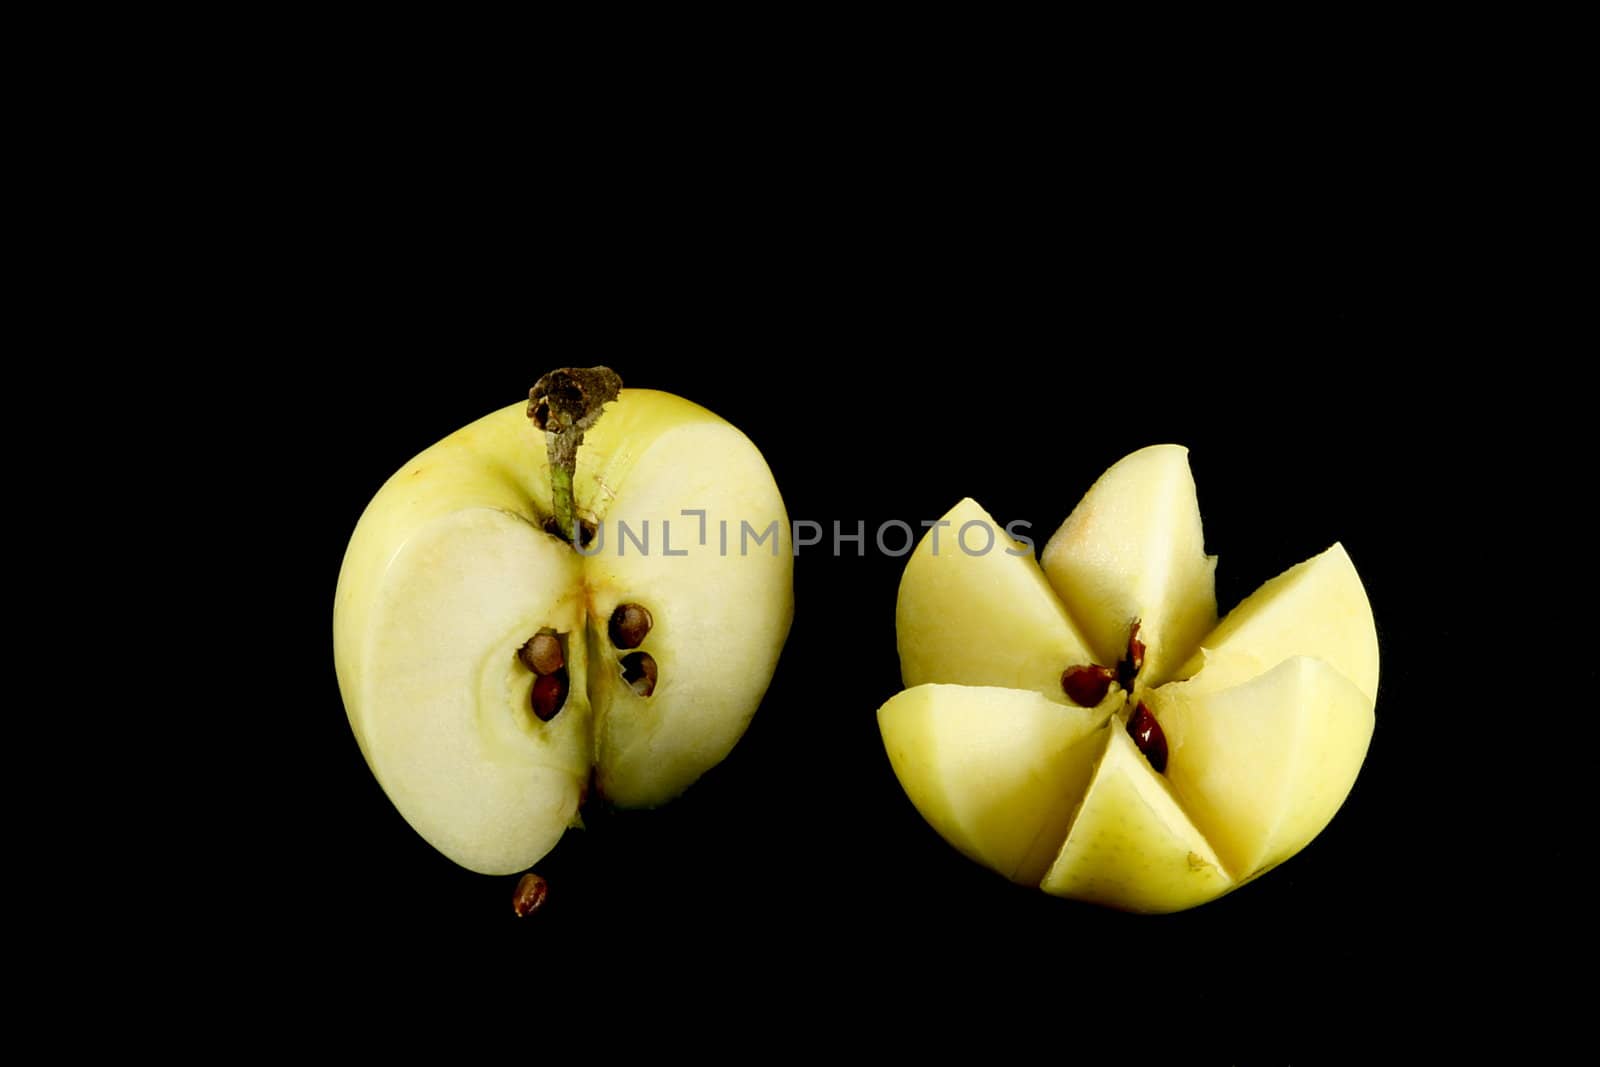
x=530, y=894
x=1087, y=686
x=542, y=654
x=1146, y=733
x=630, y=624
x=1129, y=667
x=639, y=671
x=549, y=695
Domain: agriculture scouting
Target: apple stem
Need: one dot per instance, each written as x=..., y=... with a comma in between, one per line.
x=563, y=404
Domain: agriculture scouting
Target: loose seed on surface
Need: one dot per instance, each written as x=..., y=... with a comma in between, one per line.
x=530, y=894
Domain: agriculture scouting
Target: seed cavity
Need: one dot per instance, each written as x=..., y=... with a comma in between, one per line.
x=530, y=894
x=1131, y=664
x=639, y=671
x=542, y=654
x=1147, y=734
x=1087, y=686
x=549, y=695
x=630, y=625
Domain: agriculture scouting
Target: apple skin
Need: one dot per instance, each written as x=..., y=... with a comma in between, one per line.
x=449, y=571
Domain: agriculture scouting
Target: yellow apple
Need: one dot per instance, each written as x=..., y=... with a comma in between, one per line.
x=485, y=739
x=1218, y=750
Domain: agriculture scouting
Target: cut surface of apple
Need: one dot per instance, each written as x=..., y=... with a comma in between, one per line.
x=995, y=771
x=1263, y=767
x=1318, y=608
x=1023, y=635
x=486, y=787
x=1226, y=747
x=1133, y=551
x=1131, y=845
x=451, y=572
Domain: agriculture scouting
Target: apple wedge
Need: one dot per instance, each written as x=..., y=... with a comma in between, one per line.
x=1263, y=767
x=1131, y=845
x=995, y=771
x=966, y=617
x=1317, y=608
x=1133, y=551
x=719, y=617
x=439, y=714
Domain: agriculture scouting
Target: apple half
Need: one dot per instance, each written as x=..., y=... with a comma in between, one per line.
x=1085, y=725
x=451, y=575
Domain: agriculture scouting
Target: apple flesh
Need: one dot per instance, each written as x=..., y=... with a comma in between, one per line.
x=1130, y=843
x=450, y=572
x=1132, y=550
x=1301, y=730
x=995, y=771
x=1253, y=730
x=1317, y=608
x=1031, y=635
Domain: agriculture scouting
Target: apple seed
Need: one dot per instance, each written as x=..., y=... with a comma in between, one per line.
x=542, y=654
x=1129, y=667
x=630, y=624
x=1146, y=733
x=549, y=695
x=639, y=671
x=530, y=894
x=1086, y=686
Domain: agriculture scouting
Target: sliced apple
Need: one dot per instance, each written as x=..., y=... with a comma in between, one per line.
x=1133, y=551
x=1131, y=846
x=719, y=615
x=982, y=618
x=1263, y=767
x=437, y=707
x=450, y=572
x=996, y=772
x=1259, y=742
x=1318, y=608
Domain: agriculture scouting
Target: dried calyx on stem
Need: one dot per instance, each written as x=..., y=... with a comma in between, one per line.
x=563, y=404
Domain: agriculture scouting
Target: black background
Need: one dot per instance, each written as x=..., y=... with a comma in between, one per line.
x=1326, y=351
x=799, y=854
x=1352, y=311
